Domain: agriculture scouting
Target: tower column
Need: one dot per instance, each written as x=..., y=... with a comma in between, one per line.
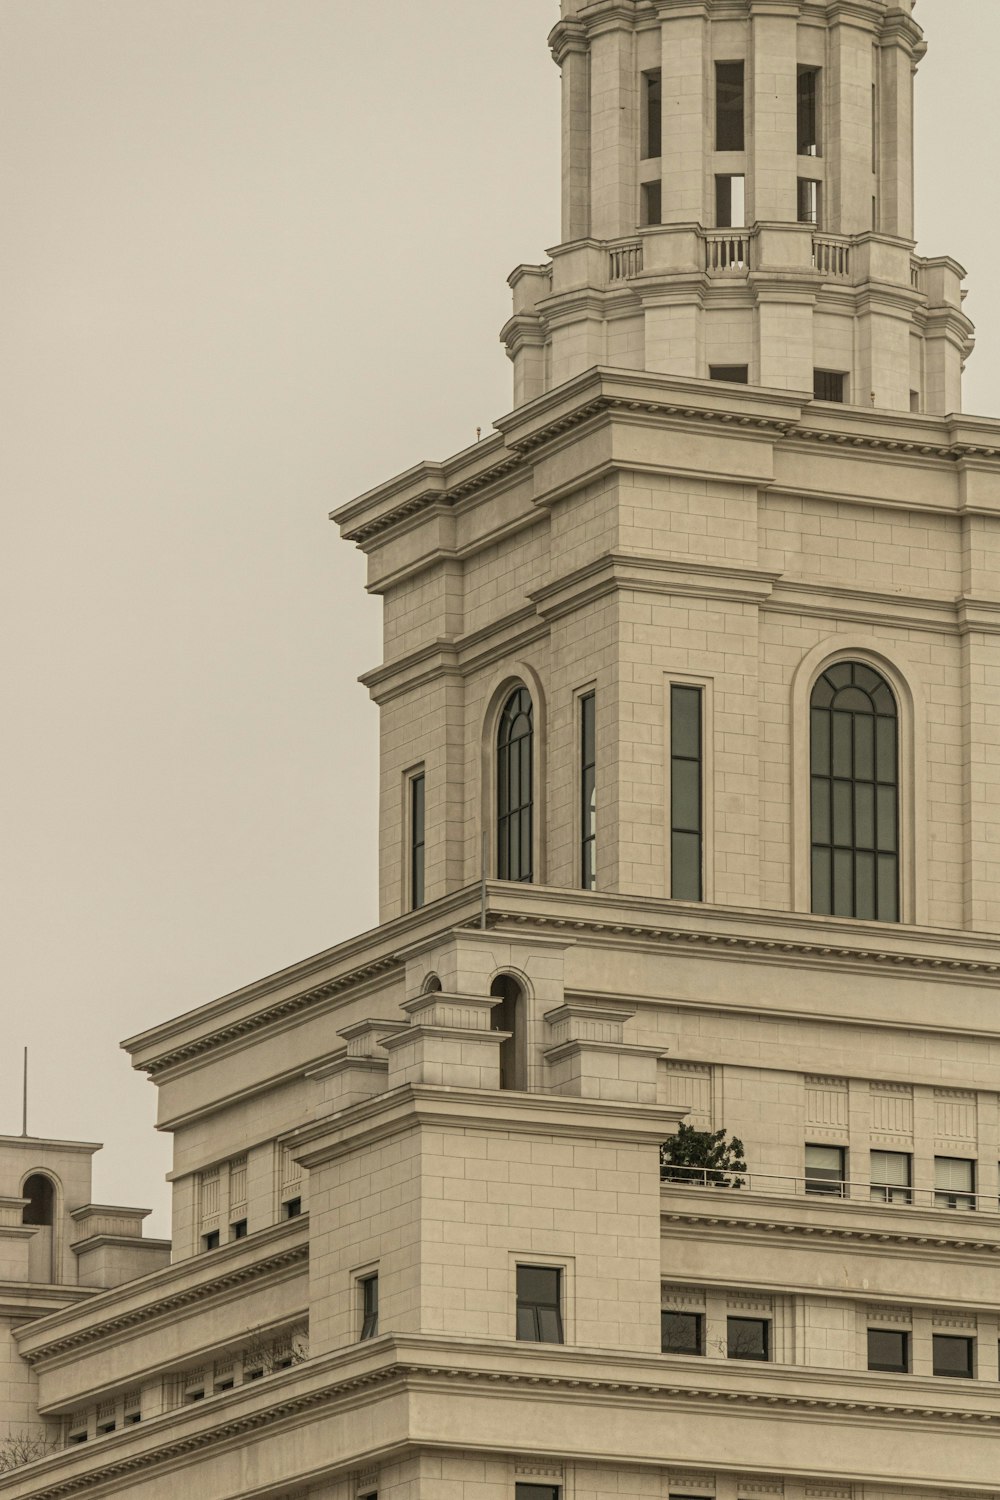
x=574, y=59
x=851, y=182
x=774, y=70
x=685, y=104
x=614, y=145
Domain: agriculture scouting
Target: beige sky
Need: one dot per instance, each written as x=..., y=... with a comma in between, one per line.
x=252, y=261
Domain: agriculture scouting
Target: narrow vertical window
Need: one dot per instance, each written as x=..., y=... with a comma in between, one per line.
x=417, y=841
x=651, y=210
x=730, y=111
x=652, y=114
x=808, y=200
x=686, y=796
x=808, y=112
x=369, y=1307
x=588, y=792
x=539, y=1304
x=508, y=1015
x=730, y=202
x=515, y=801
x=855, y=795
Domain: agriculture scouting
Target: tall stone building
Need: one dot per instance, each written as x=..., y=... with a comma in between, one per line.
x=690, y=813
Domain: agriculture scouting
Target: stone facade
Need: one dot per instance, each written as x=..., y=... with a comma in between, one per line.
x=378, y=1150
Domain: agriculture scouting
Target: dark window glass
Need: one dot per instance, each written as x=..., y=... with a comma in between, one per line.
x=293, y=1208
x=417, y=842
x=730, y=133
x=210, y=1241
x=132, y=1417
x=369, y=1307
x=682, y=1333
x=888, y=1350
x=954, y=1356
x=825, y=1170
x=537, y=1492
x=686, y=796
x=734, y=374
x=515, y=809
x=808, y=201
x=808, y=112
x=748, y=1338
x=104, y=1427
x=539, y=1318
x=238, y=1230
x=730, y=202
x=652, y=108
x=652, y=203
x=855, y=795
x=40, y=1194
x=77, y=1437
x=506, y=1016
x=954, y=1182
x=588, y=792
x=891, y=1177
x=828, y=385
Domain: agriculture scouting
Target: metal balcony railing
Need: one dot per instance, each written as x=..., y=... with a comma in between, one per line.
x=894, y=1194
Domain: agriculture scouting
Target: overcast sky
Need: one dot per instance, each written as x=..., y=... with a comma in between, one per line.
x=252, y=261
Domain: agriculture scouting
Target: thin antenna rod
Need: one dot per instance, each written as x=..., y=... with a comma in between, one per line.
x=24, y=1096
x=482, y=890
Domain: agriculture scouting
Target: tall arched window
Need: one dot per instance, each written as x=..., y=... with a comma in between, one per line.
x=515, y=742
x=40, y=1193
x=855, y=794
x=508, y=1015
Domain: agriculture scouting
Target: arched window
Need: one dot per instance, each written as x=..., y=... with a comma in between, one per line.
x=40, y=1194
x=855, y=794
x=515, y=831
x=508, y=1015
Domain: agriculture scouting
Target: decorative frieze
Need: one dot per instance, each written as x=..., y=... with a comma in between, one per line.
x=827, y=1103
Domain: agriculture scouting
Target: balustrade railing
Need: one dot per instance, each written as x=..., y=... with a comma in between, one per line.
x=832, y=257
x=895, y=1194
x=625, y=261
x=727, y=253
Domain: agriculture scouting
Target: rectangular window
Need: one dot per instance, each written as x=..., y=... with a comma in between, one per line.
x=730, y=110
x=588, y=792
x=292, y=1208
x=733, y=374
x=808, y=201
x=652, y=203
x=210, y=1241
x=539, y=1304
x=686, y=793
x=652, y=114
x=537, y=1492
x=730, y=202
x=748, y=1338
x=238, y=1230
x=915, y=401
x=682, y=1333
x=889, y=1351
x=416, y=842
x=825, y=1170
x=808, y=112
x=369, y=1307
x=954, y=1357
x=828, y=385
x=891, y=1177
x=954, y=1182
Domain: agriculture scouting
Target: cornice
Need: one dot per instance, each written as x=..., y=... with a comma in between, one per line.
x=631, y=1382
x=845, y=1236
x=271, y=1267
x=741, y=945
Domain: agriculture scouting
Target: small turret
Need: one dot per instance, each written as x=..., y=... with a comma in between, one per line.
x=738, y=205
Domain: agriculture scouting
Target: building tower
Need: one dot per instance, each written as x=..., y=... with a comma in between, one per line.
x=689, y=817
